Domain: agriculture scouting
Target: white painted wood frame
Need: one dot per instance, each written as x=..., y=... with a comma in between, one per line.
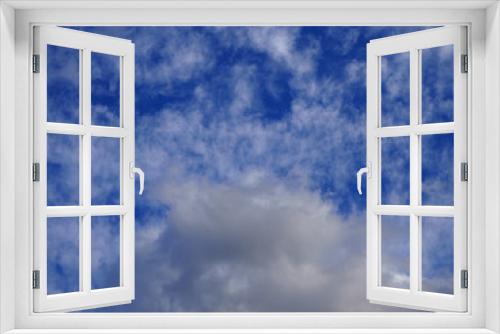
x=16, y=21
x=86, y=44
x=413, y=44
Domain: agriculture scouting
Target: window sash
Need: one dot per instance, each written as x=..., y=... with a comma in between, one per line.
x=85, y=298
x=414, y=297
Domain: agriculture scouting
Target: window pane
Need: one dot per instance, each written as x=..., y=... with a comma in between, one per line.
x=105, y=252
x=395, y=167
x=63, y=84
x=63, y=171
x=395, y=251
x=105, y=171
x=105, y=90
x=437, y=84
x=395, y=89
x=437, y=169
x=437, y=254
x=63, y=259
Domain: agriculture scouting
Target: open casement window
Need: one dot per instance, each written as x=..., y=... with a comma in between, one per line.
x=83, y=170
x=417, y=170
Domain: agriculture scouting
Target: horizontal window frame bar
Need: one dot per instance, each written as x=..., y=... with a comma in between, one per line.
x=80, y=210
x=81, y=130
x=418, y=210
x=419, y=129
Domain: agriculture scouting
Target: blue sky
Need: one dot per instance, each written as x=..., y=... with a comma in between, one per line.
x=250, y=138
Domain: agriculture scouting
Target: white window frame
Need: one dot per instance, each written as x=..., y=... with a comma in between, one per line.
x=413, y=44
x=85, y=44
x=16, y=20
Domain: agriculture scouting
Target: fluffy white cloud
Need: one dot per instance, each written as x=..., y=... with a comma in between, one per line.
x=257, y=246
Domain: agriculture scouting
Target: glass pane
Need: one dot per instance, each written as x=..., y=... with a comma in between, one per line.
x=395, y=89
x=105, y=252
x=105, y=171
x=63, y=259
x=395, y=250
x=105, y=90
x=437, y=84
x=437, y=254
x=63, y=84
x=63, y=171
x=437, y=169
x=395, y=167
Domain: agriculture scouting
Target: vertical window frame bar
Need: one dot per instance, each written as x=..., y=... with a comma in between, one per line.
x=86, y=165
x=414, y=171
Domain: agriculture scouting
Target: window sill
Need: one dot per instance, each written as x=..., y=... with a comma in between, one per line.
x=253, y=331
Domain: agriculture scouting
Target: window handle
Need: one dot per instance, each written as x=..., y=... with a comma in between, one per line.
x=136, y=170
x=365, y=170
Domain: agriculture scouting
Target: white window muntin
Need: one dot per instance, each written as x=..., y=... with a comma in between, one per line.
x=413, y=43
x=86, y=43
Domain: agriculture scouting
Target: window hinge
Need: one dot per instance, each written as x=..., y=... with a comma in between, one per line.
x=36, y=172
x=36, y=63
x=464, y=279
x=465, y=63
x=36, y=279
x=464, y=171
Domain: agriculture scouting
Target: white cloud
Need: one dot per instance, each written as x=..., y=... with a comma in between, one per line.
x=261, y=245
x=183, y=56
x=280, y=45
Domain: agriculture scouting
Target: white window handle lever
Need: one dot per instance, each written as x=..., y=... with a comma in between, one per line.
x=136, y=170
x=359, y=174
